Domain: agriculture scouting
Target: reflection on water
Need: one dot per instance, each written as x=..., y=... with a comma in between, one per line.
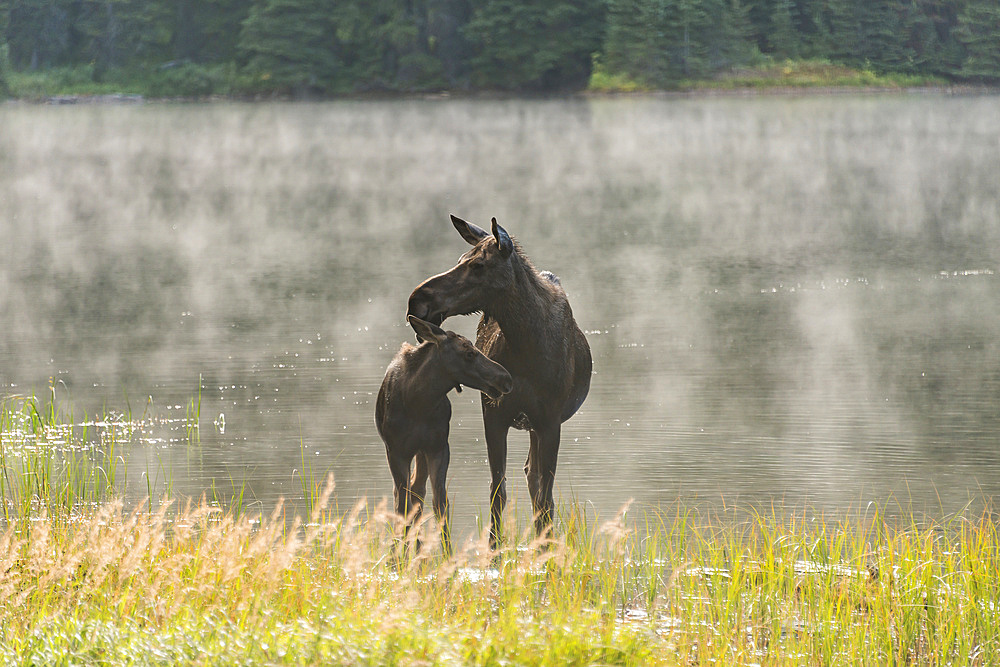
x=790, y=301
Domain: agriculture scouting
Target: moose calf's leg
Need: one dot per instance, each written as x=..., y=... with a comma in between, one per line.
x=438, y=468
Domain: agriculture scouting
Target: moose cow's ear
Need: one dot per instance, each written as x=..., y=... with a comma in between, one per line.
x=503, y=239
x=426, y=331
x=470, y=232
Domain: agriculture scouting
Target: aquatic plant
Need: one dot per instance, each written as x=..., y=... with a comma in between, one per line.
x=53, y=461
x=48, y=462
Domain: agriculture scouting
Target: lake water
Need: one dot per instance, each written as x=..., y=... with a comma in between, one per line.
x=791, y=301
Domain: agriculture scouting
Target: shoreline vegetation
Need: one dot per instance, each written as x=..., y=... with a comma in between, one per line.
x=73, y=86
x=91, y=580
x=308, y=49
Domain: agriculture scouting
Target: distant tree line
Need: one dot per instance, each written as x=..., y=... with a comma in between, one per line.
x=663, y=40
x=332, y=46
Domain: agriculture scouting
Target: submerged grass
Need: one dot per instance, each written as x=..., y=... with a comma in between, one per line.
x=189, y=583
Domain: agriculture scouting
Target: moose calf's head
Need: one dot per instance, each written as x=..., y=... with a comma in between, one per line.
x=461, y=362
x=480, y=276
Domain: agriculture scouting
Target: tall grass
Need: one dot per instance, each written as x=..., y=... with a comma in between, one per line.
x=190, y=583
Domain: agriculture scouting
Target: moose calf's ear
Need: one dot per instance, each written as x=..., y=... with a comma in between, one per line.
x=470, y=232
x=426, y=331
x=503, y=239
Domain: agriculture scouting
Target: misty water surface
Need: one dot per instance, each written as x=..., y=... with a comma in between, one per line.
x=791, y=301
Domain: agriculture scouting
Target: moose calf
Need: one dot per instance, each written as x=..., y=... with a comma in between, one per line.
x=412, y=413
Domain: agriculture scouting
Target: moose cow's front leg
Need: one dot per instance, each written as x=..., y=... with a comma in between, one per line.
x=405, y=501
x=496, y=452
x=541, y=473
x=418, y=480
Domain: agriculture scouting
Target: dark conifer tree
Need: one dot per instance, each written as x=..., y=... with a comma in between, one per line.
x=978, y=31
x=784, y=39
x=4, y=51
x=633, y=42
x=207, y=31
x=520, y=44
x=290, y=44
x=665, y=41
x=38, y=33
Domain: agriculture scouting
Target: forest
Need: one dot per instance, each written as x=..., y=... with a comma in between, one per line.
x=302, y=48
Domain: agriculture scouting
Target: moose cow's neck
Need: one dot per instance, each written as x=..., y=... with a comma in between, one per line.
x=522, y=310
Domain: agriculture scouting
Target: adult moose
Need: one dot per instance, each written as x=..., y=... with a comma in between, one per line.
x=527, y=326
